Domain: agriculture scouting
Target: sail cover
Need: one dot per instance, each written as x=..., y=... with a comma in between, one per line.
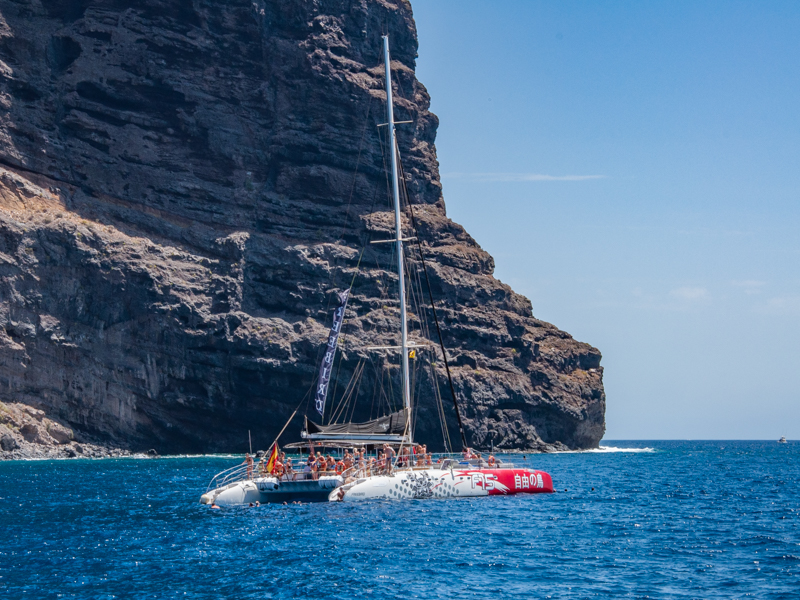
x=393, y=424
x=326, y=367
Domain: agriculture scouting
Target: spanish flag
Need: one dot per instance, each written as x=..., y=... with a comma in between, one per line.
x=272, y=458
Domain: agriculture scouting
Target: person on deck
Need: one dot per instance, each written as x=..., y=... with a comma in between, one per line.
x=277, y=468
x=290, y=473
x=322, y=464
x=362, y=463
x=389, y=453
x=312, y=466
x=248, y=460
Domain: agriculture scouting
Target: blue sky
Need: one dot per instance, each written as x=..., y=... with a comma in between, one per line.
x=634, y=168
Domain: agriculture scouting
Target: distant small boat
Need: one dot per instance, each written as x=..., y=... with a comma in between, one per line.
x=782, y=440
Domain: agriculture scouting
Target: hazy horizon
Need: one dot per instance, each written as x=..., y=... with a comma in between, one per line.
x=633, y=170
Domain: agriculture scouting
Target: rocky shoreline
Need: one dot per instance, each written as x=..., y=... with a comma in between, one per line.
x=27, y=434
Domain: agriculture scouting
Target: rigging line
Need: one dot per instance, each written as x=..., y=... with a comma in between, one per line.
x=357, y=373
x=433, y=308
x=275, y=442
x=356, y=390
x=355, y=173
x=374, y=391
x=347, y=393
x=346, y=220
x=344, y=322
x=364, y=246
x=440, y=407
x=337, y=408
x=357, y=378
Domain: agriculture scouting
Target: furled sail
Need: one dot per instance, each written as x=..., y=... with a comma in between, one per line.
x=391, y=425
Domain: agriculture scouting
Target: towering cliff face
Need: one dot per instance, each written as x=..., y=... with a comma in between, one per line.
x=184, y=184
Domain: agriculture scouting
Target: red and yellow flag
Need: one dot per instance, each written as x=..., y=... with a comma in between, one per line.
x=272, y=458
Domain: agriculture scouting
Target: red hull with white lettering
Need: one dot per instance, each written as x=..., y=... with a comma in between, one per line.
x=505, y=482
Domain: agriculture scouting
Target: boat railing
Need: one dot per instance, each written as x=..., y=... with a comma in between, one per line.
x=242, y=471
x=223, y=478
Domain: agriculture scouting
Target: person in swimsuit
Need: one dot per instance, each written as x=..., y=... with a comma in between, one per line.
x=289, y=469
x=248, y=460
x=311, y=464
x=389, y=453
x=362, y=463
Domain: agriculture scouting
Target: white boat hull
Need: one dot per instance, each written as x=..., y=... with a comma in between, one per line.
x=439, y=483
x=271, y=490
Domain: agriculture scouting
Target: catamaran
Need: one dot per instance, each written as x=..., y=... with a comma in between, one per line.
x=399, y=468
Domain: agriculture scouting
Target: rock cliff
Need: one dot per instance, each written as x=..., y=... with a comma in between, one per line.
x=184, y=184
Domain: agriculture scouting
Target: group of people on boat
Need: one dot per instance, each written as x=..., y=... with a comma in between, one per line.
x=355, y=462
x=468, y=454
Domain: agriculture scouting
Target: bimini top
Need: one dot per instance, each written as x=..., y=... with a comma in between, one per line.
x=391, y=428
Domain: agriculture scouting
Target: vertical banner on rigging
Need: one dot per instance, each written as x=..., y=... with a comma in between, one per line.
x=326, y=367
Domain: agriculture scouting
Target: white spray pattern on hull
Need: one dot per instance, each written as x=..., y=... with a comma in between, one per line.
x=427, y=484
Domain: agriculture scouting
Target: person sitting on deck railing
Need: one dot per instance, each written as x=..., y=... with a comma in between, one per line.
x=428, y=459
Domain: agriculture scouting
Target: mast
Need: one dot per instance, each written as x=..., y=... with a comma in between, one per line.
x=398, y=234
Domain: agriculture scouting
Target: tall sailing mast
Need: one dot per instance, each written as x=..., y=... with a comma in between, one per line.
x=398, y=236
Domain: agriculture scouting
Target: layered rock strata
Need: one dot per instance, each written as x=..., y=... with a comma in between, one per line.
x=183, y=187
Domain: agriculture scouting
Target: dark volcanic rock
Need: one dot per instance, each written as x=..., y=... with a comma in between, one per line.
x=186, y=183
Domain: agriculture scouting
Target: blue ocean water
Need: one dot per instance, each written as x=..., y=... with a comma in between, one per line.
x=671, y=520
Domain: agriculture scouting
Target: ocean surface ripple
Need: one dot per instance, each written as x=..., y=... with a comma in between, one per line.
x=682, y=520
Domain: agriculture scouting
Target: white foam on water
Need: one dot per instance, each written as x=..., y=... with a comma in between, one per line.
x=610, y=449
x=603, y=450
